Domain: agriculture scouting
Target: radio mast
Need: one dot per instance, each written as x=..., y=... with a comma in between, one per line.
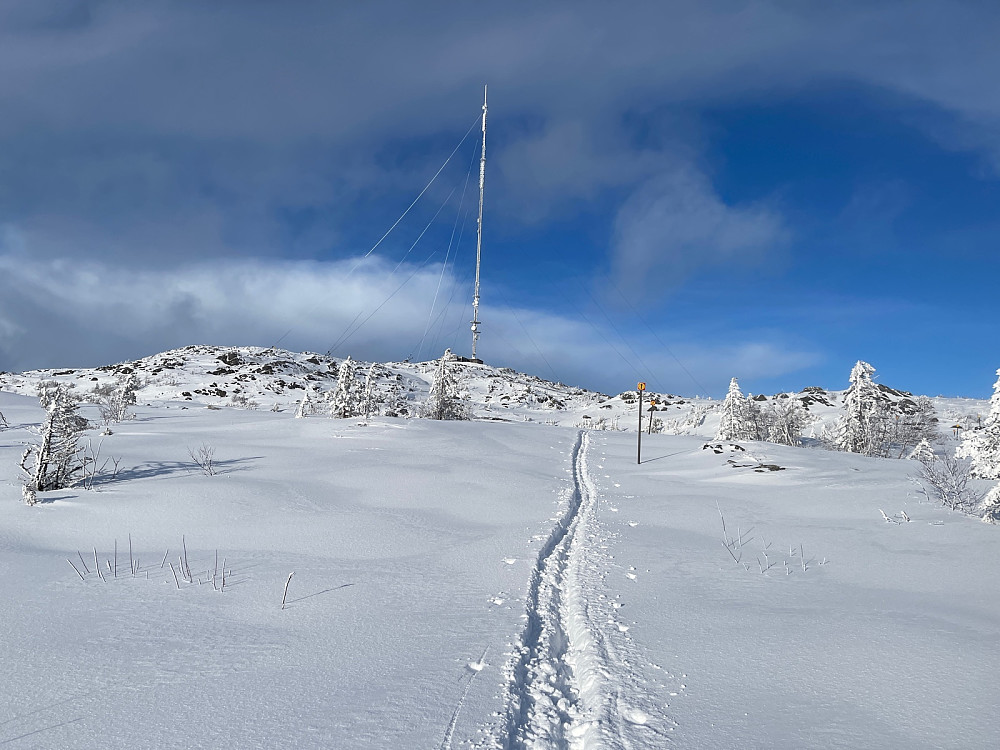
x=479, y=237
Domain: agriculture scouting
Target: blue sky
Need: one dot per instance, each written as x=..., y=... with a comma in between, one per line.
x=678, y=192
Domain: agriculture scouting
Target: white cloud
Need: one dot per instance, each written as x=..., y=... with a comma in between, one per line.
x=65, y=313
x=676, y=224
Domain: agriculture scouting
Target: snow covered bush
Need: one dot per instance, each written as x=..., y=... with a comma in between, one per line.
x=56, y=461
x=114, y=399
x=982, y=446
x=691, y=421
x=948, y=478
x=922, y=452
x=445, y=400
x=785, y=419
x=242, y=401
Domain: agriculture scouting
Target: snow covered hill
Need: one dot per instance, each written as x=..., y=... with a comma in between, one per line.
x=269, y=378
x=517, y=581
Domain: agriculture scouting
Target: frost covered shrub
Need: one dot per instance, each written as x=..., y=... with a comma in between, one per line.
x=785, y=419
x=948, y=478
x=56, y=461
x=982, y=447
x=115, y=399
x=922, y=452
x=242, y=401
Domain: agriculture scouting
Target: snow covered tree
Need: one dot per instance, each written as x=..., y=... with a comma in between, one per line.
x=863, y=427
x=345, y=401
x=982, y=446
x=368, y=395
x=56, y=461
x=445, y=400
x=735, y=422
x=990, y=508
x=786, y=418
x=924, y=421
x=395, y=401
x=307, y=405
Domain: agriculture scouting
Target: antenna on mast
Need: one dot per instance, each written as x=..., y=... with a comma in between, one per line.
x=479, y=237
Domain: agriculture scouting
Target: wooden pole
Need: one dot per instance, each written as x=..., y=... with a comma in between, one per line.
x=638, y=447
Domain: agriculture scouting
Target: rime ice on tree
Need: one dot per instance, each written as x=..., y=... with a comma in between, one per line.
x=445, y=400
x=734, y=424
x=346, y=399
x=55, y=461
x=983, y=446
x=856, y=428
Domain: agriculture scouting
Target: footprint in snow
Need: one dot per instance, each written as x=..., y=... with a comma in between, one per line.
x=510, y=560
x=633, y=524
x=630, y=576
x=617, y=484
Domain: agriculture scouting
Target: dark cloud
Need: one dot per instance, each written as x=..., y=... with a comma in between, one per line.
x=114, y=108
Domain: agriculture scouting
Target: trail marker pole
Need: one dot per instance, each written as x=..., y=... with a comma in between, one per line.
x=638, y=445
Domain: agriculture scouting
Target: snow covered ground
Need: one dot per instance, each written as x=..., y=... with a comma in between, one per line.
x=503, y=583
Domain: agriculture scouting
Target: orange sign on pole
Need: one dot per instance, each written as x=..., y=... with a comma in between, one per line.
x=641, y=387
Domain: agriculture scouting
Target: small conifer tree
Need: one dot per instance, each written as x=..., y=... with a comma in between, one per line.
x=345, y=401
x=983, y=446
x=863, y=428
x=445, y=400
x=735, y=423
x=307, y=405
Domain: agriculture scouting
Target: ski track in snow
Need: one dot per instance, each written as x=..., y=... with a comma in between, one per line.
x=568, y=679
